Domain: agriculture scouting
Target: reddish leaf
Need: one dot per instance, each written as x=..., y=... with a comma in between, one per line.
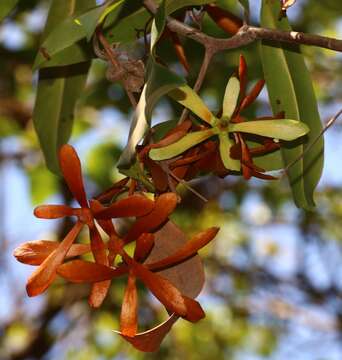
x=177, y=45
x=143, y=247
x=106, y=225
x=35, y=252
x=113, y=190
x=129, y=309
x=149, y=341
x=135, y=205
x=161, y=288
x=53, y=211
x=80, y=271
x=99, y=290
x=159, y=177
x=42, y=277
x=252, y=95
x=188, y=250
x=71, y=168
x=224, y=19
x=164, y=205
x=183, y=127
x=195, y=311
x=98, y=293
x=242, y=76
x=98, y=247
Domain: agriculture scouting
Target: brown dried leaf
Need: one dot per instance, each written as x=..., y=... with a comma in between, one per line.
x=188, y=276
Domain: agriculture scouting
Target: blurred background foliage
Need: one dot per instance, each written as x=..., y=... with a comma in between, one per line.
x=273, y=287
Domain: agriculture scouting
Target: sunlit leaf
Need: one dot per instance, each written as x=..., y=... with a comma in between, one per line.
x=231, y=96
x=188, y=98
x=177, y=148
x=282, y=129
x=225, y=145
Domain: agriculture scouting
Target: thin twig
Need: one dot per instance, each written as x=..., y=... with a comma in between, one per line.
x=309, y=147
x=246, y=35
x=181, y=181
x=115, y=63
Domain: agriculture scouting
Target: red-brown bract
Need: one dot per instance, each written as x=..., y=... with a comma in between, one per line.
x=53, y=258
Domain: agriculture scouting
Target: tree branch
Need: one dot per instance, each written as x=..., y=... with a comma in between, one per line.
x=246, y=35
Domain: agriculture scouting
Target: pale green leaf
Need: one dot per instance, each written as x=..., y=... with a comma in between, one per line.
x=188, y=98
x=178, y=147
x=282, y=129
x=231, y=96
x=224, y=147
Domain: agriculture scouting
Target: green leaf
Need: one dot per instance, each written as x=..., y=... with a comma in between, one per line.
x=160, y=82
x=74, y=54
x=225, y=145
x=183, y=144
x=57, y=91
x=125, y=30
x=161, y=129
x=230, y=98
x=188, y=98
x=291, y=91
x=6, y=7
x=270, y=161
x=69, y=30
x=282, y=129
